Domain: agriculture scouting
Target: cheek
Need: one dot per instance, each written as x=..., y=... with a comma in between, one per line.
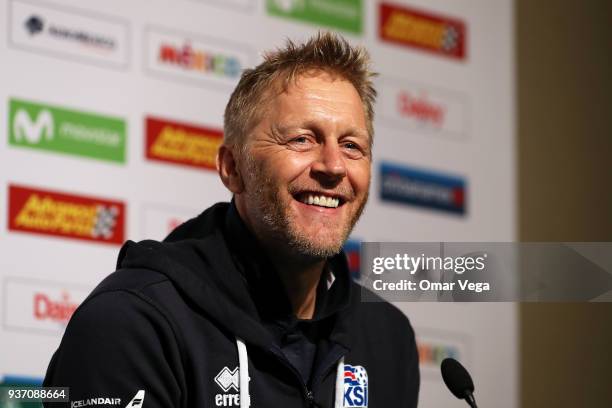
x=290, y=166
x=359, y=176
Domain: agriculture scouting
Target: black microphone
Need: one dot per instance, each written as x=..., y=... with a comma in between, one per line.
x=458, y=380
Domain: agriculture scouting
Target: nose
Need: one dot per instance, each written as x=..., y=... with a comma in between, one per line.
x=330, y=163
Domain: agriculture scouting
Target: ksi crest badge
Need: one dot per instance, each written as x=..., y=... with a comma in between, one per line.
x=355, y=386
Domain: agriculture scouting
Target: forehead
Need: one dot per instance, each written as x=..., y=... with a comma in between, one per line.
x=318, y=94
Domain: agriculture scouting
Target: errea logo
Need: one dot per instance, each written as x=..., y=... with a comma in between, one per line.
x=228, y=380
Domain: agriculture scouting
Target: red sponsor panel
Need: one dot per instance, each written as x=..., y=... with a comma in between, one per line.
x=47, y=212
x=423, y=30
x=180, y=143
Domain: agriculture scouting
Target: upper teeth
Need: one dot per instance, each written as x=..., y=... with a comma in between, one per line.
x=321, y=201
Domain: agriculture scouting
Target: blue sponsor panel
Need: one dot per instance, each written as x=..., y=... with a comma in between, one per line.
x=352, y=248
x=423, y=188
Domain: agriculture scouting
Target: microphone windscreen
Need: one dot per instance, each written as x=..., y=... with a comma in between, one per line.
x=456, y=378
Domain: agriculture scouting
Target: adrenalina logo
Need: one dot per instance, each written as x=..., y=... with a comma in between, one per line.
x=194, y=57
x=51, y=28
x=50, y=128
x=352, y=249
x=180, y=143
x=422, y=188
x=64, y=215
x=340, y=14
x=355, y=386
x=423, y=30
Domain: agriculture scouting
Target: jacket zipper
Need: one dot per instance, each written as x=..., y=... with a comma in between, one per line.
x=307, y=394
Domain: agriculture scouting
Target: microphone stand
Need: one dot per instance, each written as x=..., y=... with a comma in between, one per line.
x=469, y=398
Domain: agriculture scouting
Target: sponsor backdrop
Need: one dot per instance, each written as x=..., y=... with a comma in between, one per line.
x=113, y=114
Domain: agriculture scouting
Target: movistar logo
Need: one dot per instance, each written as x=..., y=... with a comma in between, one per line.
x=52, y=128
x=33, y=130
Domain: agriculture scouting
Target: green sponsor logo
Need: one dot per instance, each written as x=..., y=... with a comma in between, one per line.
x=344, y=15
x=60, y=130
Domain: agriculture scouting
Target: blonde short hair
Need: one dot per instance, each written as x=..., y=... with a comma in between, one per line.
x=326, y=51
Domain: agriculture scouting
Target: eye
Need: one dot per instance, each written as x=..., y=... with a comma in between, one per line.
x=300, y=142
x=354, y=150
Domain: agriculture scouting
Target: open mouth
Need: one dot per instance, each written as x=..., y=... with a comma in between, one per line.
x=320, y=200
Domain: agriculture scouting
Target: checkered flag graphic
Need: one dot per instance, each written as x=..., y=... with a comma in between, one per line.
x=450, y=39
x=106, y=219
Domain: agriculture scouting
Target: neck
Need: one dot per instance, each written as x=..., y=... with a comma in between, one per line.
x=300, y=276
x=300, y=280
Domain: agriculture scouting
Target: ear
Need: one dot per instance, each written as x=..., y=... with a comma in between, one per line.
x=228, y=170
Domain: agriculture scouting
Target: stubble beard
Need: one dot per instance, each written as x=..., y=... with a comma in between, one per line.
x=274, y=218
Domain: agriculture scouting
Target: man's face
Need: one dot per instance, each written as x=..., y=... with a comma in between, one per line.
x=306, y=170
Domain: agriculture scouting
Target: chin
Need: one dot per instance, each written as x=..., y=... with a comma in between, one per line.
x=320, y=248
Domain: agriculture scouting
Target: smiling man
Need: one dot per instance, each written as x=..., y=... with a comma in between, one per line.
x=251, y=302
